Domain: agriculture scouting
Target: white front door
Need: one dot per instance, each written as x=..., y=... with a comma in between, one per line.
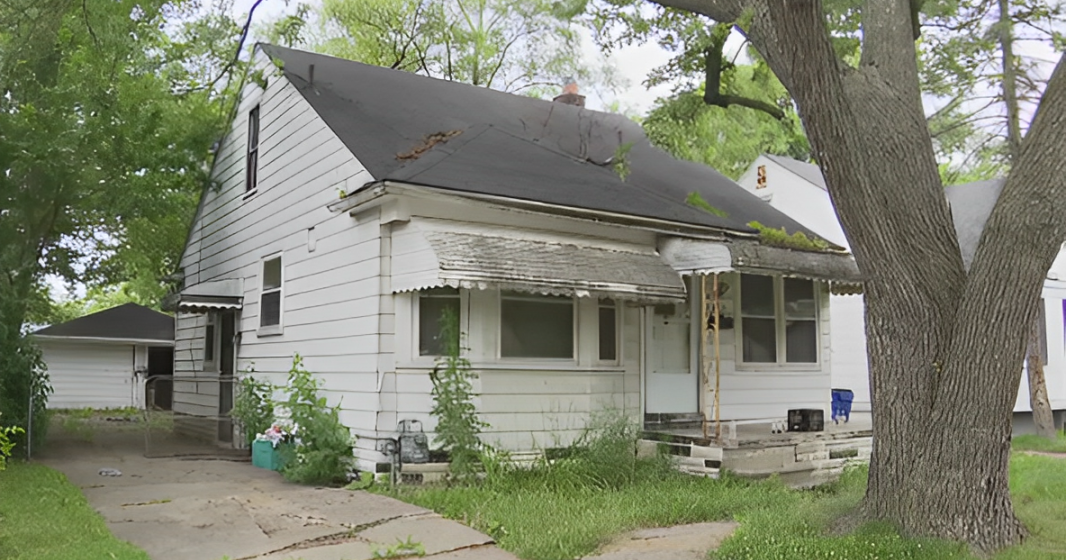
x=671, y=379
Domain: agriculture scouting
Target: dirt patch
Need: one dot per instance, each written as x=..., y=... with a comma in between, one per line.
x=682, y=542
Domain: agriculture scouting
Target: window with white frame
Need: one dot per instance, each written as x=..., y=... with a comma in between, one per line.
x=533, y=326
x=436, y=308
x=270, y=293
x=211, y=343
x=778, y=320
x=251, y=160
x=608, y=325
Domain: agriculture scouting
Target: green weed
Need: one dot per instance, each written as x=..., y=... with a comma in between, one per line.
x=401, y=549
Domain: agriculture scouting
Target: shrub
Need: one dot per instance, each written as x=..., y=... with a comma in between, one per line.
x=323, y=450
x=253, y=406
x=6, y=445
x=24, y=386
x=458, y=425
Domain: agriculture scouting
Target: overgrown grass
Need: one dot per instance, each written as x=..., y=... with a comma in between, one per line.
x=45, y=517
x=1037, y=443
x=567, y=508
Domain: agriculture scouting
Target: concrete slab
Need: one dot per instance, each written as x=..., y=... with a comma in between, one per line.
x=442, y=534
x=178, y=509
x=683, y=542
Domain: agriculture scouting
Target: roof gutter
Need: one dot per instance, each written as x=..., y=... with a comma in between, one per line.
x=369, y=193
x=375, y=190
x=104, y=339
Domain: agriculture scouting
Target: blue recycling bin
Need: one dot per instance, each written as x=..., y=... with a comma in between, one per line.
x=842, y=404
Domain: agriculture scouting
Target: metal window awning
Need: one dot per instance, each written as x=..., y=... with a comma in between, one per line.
x=697, y=256
x=202, y=304
x=428, y=253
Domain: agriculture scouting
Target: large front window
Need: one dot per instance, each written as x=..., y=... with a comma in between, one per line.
x=779, y=320
x=536, y=326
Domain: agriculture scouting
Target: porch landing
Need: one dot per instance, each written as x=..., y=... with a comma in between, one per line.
x=752, y=449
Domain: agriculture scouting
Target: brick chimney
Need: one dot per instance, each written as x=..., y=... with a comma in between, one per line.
x=570, y=96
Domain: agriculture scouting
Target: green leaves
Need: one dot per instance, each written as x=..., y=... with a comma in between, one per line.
x=458, y=425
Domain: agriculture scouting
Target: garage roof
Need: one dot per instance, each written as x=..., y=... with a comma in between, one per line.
x=126, y=322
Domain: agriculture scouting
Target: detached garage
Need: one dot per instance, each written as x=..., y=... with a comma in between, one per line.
x=102, y=360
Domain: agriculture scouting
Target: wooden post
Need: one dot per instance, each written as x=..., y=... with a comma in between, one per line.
x=705, y=377
x=717, y=362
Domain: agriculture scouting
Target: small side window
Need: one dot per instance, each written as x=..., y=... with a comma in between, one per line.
x=270, y=294
x=436, y=306
x=608, y=321
x=210, y=336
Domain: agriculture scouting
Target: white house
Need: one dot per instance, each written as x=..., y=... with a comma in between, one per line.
x=102, y=360
x=354, y=204
x=798, y=189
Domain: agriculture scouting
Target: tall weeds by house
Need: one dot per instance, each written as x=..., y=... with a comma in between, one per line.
x=323, y=450
x=458, y=425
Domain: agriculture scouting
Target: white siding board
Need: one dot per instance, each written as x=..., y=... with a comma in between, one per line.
x=330, y=295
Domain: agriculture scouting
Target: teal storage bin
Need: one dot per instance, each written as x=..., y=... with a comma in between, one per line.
x=266, y=456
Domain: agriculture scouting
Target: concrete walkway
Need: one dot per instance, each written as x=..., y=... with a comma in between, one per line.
x=207, y=509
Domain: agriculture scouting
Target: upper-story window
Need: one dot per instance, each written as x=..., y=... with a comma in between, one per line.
x=270, y=294
x=252, y=158
x=534, y=326
x=778, y=320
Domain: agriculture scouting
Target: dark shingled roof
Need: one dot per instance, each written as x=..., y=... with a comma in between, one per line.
x=125, y=322
x=511, y=146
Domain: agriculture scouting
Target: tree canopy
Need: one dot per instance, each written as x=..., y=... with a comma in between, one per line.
x=107, y=117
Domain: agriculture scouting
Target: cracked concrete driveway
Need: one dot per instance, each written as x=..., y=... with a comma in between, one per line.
x=179, y=509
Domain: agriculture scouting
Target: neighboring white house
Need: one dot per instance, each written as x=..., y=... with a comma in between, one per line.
x=102, y=360
x=356, y=204
x=798, y=189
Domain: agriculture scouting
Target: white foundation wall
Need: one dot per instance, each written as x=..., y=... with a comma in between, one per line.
x=331, y=311
x=767, y=391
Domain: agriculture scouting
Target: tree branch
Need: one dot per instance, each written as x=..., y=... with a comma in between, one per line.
x=712, y=94
x=718, y=10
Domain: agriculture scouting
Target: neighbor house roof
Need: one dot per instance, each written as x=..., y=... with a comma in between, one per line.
x=423, y=131
x=971, y=205
x=807, y=171
x=130, y=322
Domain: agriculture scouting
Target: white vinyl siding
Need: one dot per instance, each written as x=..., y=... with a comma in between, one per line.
x=87, y=375
x=331, y=309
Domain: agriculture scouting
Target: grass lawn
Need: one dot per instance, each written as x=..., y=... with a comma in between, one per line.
x=45, y=517
x=568, y=509
x=1037, y=443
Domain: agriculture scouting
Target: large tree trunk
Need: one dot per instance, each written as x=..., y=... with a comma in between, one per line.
x=944, y=344
x=1043, y=418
